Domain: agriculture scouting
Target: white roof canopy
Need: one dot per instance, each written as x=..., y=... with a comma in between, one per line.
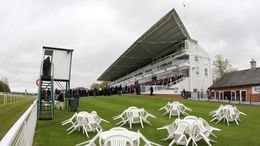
x=159, y=40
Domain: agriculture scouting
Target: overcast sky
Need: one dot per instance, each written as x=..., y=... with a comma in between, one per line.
x=101, y=30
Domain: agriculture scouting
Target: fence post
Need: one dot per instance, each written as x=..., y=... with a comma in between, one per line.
x=4, y=99
x=250, y=98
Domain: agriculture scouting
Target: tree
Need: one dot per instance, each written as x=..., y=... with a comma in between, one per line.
x=1, y=86
x=104, y=84
x=220, y=67
x=95, y=85
x=4, y=87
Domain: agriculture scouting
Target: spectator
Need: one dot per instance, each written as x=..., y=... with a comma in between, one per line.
x=95, y=92
x=61, y=100
x=120, y=90
x=183, y=93
x=48, y=97
x=76, y=96
x=151, y=90
x=47, y=67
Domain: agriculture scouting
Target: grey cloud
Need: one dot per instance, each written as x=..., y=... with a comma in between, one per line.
x=100, y=31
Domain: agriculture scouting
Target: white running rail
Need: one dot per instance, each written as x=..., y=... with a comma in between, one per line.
x=22, y=132
x=11, y=98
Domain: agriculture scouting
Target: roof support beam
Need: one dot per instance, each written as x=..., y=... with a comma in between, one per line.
x=150, y=52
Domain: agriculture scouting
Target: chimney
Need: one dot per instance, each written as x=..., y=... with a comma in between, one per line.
x=253, y=64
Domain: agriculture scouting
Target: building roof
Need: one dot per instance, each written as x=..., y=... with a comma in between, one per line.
x=239, y=78
x=157, y=41
x=55, y=48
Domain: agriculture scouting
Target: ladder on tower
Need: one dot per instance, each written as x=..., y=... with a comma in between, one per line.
x=46, y=96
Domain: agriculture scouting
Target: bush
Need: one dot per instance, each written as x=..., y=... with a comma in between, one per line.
x=4, y=87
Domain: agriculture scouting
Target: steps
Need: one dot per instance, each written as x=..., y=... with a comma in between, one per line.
x=46, y=99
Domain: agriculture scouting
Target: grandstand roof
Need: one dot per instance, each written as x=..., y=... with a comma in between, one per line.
x=157, y=41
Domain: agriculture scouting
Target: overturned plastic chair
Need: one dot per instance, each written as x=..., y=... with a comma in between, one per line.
x=118, y=140
x=147, y=142
x=70, y=120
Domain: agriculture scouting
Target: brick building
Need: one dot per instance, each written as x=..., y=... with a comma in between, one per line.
x=241, y=85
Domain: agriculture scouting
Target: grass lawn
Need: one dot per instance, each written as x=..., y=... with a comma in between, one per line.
x=10, y=113
x=1, y=99
x=51, y=133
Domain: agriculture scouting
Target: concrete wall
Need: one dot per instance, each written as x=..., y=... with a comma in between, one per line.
x=199, y=82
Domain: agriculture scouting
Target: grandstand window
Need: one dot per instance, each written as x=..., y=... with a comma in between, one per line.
x=196, y=58
x=197, y=70
x=149, y=70
x=206, y=72
x=187, y=46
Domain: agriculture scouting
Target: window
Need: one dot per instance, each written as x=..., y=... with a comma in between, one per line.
x=217, y=95
x=206, y=72
x=196, y=58
x=197, y=70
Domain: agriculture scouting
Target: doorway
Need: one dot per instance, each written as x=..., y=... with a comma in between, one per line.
x=221, y=95
x=243, y=95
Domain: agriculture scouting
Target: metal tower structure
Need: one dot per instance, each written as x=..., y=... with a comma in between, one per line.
x=55, y=67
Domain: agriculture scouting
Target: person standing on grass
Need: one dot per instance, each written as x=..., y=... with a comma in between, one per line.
x=61, y=100
x=151, y=91
x=120, y=90
x=95, y=92
x=76, y=96
x=183, y=93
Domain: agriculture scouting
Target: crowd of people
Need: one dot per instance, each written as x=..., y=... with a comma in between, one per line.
x=107, y=91
x=115, y=90
x=164, y=81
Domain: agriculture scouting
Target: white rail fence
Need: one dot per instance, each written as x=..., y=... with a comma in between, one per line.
x=11, y=98
x=157, y=89
x=22, y=132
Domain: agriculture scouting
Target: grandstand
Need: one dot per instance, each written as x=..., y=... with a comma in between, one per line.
x=164, y=57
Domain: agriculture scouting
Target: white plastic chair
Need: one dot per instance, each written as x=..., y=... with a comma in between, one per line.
x=145, y=115
x=179, y=136
x=119, y=129
x=209, y=128
x=81, y=122
x=118, y=140
x=174, y=111
x=123, y=118
x=217, y=110
x=135, y=117
x=147, y=142
x=183, y=109
x=89, y=142
x=197, y=135
x=70, y=120
x=92, y=125
x=170, y=129
x=97, y=118
x=238, y=113
x=190, y=117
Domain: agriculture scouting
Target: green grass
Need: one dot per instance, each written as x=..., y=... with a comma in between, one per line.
x=10, y=113
x=51, y=133
x=1, y=99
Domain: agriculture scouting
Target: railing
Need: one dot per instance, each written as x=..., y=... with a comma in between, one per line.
x=10, y=98
x=22, y=132
x=156, y=88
